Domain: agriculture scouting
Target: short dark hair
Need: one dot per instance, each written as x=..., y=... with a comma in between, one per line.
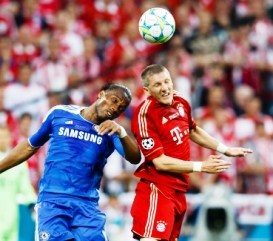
x=112, y=86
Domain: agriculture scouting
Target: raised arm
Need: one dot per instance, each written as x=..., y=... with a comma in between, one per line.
x=18, y=154
x=202, y=138
x=130, y=146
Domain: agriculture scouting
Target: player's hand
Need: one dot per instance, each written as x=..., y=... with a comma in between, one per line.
x=214, y=164
x=237, y=151
x=109, y=126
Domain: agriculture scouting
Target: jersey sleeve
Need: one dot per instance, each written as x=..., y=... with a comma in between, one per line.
x=145, y=131
x=118, y=145
x=42, y=135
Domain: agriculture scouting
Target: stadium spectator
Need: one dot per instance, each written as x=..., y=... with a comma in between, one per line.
x=241, y=95
x=51, y=70
x=256, y=171
x=24, y=50
x=13, y=183
x=245, y=59
x=23, y=97
x=245, y=124
x=29, y=15
x=8, y=26
x=222, y=11
x=7, y=119
x=115, y=219
x=89, y=63
x=24, y=125
x=119, y=175
x=161, y=124
x=71, y=42
x=221, y=126
x=48, y=10
x=7, y=64
x=214, y=99
x=186, y=20
x=75, y=23
x=176, y=49
x=206, y=45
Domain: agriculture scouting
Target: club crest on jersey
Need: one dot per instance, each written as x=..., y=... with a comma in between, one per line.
x=95, y=127
x=181, y=110
x=161, y=226
x=44, y=235
x=148, y=143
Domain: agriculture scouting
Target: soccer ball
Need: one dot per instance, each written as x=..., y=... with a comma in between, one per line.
x=156, y=25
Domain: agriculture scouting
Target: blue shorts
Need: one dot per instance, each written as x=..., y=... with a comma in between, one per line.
x=69, y=219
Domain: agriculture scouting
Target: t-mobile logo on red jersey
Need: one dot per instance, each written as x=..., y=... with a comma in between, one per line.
x=177, y=135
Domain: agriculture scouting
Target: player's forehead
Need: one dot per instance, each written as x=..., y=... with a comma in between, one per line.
x=120, y=94
x=159, y=77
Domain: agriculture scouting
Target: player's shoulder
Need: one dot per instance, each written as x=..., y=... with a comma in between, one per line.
x=146, y=106
x=177, y=96
x=62, y=110
x=67, y=108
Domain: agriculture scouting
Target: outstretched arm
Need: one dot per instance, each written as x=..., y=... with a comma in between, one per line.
x=130, y=146
x=213, y=164
x=18, y=154
x=202, y=138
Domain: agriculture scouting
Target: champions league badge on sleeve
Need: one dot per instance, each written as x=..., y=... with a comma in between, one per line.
x=44, y=235
x=148, y=143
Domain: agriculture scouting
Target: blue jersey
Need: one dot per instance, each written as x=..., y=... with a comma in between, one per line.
x=76, y=153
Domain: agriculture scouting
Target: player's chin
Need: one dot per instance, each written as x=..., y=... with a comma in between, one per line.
x=166, y=101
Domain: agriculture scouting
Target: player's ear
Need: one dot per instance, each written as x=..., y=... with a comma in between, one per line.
x=101, y=94
x=146, y=90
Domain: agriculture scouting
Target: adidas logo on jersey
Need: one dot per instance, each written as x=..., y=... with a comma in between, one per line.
x=69, y=122
x=164, y=120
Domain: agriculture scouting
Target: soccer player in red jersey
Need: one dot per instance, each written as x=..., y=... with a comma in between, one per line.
x=163, y=126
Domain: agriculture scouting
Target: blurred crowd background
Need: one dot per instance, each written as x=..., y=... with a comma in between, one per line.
x=220, y=59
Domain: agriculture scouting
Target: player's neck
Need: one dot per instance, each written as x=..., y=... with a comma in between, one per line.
x=89, y=114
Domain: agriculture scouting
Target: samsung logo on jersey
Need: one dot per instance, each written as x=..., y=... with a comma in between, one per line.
x=81, y=135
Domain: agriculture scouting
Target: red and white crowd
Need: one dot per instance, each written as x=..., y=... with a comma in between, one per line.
x=220, y=59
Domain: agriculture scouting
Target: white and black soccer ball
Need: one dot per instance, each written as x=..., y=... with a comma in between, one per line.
x=148, y=143
x=156, y=25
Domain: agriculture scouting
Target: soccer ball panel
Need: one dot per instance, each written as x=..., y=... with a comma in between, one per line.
x=160, y=12
x=155, y=31
x=141, y=20
x=167, y=31
x=150, y=20
x=149, y=38
x=170, y=19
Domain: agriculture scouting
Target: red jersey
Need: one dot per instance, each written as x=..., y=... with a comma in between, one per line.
x=161, y=129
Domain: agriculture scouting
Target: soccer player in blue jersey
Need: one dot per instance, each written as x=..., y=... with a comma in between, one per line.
x=80, y=141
